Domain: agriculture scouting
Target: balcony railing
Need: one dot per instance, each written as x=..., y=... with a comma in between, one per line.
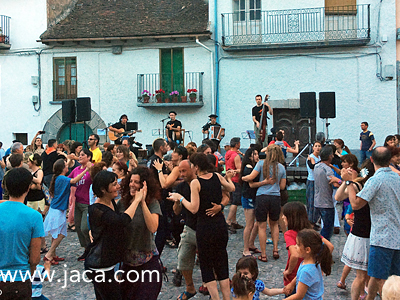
x=168, y=82
x=4, y=32
x=341, y=25
x=63, y=90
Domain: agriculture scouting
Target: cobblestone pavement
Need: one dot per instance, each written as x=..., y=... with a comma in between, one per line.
x=270, y=272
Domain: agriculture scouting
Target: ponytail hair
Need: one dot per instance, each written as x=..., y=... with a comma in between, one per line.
x=58, y=167
x=319, y=251
x=242, y=286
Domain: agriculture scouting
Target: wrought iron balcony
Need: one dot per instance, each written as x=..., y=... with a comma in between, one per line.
x=4, y=32
x=296, y=28
x=148, y=84
x=64, y=90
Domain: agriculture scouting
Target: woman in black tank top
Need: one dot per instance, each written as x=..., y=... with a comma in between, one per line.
x=211, y=231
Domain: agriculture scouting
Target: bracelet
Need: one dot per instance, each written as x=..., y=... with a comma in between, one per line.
x=180, y=200
x=222, y=206
x=159, y=171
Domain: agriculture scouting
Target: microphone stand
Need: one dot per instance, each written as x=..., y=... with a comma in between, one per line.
x=163, y=131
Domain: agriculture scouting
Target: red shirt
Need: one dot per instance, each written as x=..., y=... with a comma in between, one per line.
x=230, y=163
x=290, y=239
x=284, y=143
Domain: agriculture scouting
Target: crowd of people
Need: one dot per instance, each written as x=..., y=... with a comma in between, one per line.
x=124, y=211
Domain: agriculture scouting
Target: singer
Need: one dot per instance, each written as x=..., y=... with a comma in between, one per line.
x=173, y=128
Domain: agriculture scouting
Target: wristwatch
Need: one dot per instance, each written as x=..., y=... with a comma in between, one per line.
x=348, y=182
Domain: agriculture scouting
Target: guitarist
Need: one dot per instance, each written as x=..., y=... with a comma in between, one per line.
x=120, y=127
x=256, y=112
x=174, y=126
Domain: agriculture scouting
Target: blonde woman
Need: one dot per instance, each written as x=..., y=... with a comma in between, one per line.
x=268, y=198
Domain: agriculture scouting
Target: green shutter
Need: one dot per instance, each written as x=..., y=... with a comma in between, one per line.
x=171, y=74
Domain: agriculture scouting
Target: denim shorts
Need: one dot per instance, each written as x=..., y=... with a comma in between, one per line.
x=383, y=262
x=247, y=203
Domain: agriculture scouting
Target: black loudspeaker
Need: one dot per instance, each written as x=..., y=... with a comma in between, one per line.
x=327, y=106
x=308, y=105
x=83, y=109
x=68, y=111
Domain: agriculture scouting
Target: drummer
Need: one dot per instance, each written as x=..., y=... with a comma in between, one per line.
x=212, y=122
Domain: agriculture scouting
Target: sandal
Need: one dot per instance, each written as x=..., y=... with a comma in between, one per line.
x=248, y=255
x=44, y=250
x=275, y=254
x=187, y=295
x=71, y=228
x=204, y=290
x=341, y=285
x=57, y=258
x=263, y=258
x=255, y=250
x=52, y=261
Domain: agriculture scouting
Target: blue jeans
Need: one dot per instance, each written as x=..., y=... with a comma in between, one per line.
x=364, y=155
x=328, y=217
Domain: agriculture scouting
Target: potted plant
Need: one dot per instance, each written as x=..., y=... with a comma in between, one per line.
x=174, y=95
x=184, y=99
x=159, y=95
x=192, y=95
x=2, y=37
x=146, y=96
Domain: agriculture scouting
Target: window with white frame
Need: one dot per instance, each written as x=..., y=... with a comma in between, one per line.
x=246, y=10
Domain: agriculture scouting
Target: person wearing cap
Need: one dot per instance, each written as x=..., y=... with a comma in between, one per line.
x=212, y=122
x=174, y=126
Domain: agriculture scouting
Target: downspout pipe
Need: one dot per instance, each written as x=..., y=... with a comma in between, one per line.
x=213, y=103
x=216, y=37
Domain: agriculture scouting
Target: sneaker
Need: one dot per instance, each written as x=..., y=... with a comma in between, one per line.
x=237, y=226
x=177, y=280
x=231, y=229
x=269, y=242
x=336, y=230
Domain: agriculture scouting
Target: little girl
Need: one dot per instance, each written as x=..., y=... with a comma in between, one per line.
x=316, y=257
x=55, y=222
x=295, y=218
x=247, y=267
x=243, y=287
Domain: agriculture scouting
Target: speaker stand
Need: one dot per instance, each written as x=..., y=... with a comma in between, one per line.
x=84, y=130
x=327, y=140
x=308, y=146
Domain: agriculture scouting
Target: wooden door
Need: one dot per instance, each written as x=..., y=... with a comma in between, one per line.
x=294, y=126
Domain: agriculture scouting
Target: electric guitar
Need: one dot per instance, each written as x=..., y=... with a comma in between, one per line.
x=115, y=135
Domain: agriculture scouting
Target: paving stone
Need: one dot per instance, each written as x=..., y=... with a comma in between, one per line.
x=270, y=272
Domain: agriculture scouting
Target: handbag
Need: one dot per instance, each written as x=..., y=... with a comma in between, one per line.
x=93, y=258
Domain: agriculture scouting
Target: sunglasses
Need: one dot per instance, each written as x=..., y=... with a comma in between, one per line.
x=91, y=139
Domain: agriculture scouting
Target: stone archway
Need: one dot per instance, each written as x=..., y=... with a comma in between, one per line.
x=54, y=125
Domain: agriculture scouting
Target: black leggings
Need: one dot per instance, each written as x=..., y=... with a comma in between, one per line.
x=144, y=288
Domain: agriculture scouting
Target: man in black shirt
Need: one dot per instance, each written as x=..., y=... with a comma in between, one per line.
x=173, y=128
x=256, y=113
x=49, y=157
x=119, y=128
x=160, y=149
x=206, y=128
x=187, y=247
